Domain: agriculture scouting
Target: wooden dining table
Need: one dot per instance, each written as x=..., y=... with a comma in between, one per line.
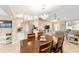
x=32, y=46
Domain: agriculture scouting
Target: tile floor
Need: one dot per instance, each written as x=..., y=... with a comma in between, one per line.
x=10, y=48
x=70, y=47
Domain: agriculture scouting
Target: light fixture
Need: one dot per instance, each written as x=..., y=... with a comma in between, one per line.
x=44, y=15
x=55, y=18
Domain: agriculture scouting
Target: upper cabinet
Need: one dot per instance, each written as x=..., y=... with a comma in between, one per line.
x=5, y=24
x=74, y=25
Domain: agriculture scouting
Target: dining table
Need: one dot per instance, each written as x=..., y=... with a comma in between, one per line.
x=32, y=46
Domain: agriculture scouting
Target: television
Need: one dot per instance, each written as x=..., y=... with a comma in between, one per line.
x=47, y=26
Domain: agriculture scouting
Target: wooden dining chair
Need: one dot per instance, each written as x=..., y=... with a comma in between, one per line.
x=46, y=48
x=31, y=36
x=59, y=46
x=39, y=35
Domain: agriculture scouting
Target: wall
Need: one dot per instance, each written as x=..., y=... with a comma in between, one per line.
x=36, y=21
x=58, y=26
x=3, y=31
x=63, y=26
x=17, y=23
x=14, y=30
x=39, y=23
x=42, y=23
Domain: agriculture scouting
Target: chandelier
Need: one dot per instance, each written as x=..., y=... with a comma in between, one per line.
x=43, y=15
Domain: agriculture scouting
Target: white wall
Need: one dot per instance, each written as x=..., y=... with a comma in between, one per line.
x=43, y=23
x=3, y=31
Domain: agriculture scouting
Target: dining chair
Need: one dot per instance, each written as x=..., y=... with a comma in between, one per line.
x=46, y=48
x=59, y=46
x=39, y=35
x=31, y=36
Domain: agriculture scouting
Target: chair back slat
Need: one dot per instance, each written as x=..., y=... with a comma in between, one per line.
x=31, y=36
x=45, y=48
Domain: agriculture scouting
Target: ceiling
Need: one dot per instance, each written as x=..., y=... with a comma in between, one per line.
x=61, y=12
x=2, y=13
x=33, y=10
x=5, y=10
